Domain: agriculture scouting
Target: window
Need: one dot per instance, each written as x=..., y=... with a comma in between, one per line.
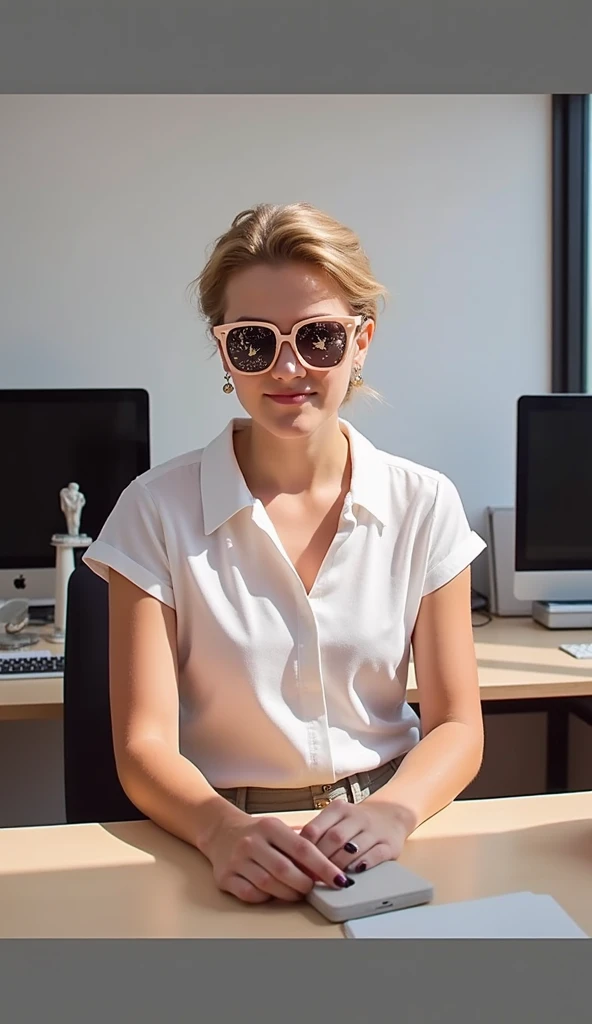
x=572, y=241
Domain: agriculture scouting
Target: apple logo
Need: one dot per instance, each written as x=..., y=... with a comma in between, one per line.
x=19, y=582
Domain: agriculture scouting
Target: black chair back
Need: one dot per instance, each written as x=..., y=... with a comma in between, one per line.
x=93, y=790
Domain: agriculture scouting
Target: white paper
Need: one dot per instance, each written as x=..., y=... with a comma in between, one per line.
x=519, y=915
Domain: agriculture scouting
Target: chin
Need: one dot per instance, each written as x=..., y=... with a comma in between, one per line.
x=286, y=422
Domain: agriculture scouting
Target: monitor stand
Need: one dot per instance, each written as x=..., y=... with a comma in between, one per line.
x=563, y=614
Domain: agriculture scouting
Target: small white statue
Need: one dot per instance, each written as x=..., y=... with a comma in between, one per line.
x=72, y=501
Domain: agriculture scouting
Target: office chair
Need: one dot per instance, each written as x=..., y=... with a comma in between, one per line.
x=93, y=790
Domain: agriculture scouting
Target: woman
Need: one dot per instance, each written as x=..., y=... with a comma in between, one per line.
x=265, y=592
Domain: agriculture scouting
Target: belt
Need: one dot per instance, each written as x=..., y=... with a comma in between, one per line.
x=352, y=788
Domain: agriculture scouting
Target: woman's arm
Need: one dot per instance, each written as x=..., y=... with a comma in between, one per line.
x=252, y=859
x=446, y=759
x=448, y=756
x=145, y=715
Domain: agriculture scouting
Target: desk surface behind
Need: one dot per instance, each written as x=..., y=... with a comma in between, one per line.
x=33, y=698
x=134, y=880
x=517, y=659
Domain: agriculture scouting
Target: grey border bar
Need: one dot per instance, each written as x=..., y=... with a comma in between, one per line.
x=312, y=46
x=333, y=981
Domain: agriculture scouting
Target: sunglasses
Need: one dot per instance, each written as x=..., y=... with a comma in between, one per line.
x=320, y=343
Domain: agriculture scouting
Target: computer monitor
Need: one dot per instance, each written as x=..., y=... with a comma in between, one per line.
x=99, y=438
x=553, y=550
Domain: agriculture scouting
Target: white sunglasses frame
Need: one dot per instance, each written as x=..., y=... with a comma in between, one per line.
x=350, y=323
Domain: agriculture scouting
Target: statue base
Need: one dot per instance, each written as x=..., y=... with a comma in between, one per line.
x=71, y=540
x=65, y=545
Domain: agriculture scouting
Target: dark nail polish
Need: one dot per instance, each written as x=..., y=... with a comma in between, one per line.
x=350, y=882
x=351, y=848
x=341, y=881
x=361, y=867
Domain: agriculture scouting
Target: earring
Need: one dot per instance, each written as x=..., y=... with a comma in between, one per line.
x=228, y=388
x=357, y=379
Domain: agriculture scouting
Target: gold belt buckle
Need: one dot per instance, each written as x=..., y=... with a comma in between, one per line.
x=323, y=802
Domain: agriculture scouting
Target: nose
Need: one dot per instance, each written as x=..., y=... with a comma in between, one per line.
x=287, y=365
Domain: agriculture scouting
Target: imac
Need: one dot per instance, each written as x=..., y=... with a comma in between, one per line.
x=98, y=438
x=553, y=548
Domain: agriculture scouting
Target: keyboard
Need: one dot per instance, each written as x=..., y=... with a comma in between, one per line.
x=577, y=650
x=29, y=664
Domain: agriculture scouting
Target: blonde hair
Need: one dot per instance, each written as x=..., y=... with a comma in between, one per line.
x=295, y=232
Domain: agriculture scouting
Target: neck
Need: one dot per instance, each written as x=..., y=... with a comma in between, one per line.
x=275, y=465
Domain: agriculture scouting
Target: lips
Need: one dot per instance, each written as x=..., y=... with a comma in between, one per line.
x=291, y=397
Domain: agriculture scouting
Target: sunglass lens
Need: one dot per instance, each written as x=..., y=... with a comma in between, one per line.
x=322, y=344
x=251, y=349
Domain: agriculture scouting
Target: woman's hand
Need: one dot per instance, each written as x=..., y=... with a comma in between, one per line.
x=257, y=859
x=358, y=836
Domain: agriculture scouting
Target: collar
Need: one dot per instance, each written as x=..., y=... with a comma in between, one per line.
x=370, y=478
x=224, y=491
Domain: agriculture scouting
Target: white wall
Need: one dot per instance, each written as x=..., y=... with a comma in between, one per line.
x=107, y=205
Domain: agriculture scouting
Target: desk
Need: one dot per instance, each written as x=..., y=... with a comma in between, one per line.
x=521, y=669
x=133, y=880
x=34, y=698
x=518, y=660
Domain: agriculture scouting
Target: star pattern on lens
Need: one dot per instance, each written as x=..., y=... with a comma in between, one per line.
x=322, y=343
x=251, y=348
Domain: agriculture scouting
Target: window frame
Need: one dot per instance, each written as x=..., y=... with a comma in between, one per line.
x=570, y=187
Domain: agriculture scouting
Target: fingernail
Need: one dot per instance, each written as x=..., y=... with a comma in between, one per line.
x=361, y=867
x=350, y=881
x=351, y=848
x=341, y=881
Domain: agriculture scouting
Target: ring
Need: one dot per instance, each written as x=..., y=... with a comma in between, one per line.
x=351, y=847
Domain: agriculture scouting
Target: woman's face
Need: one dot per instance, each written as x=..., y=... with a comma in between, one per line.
x=283, y=295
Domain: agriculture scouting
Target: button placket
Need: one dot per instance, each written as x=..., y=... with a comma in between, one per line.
x=322, y=586
x=309, y=664
x=310, y=678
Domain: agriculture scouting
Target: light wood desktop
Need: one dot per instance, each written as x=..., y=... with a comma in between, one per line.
x=518, y=660
x=34, y=698
x=133, y=880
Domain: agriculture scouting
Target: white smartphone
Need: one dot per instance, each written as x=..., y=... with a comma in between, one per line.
x=387, y=887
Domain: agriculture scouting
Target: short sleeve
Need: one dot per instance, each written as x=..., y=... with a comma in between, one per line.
x=132, y=543
x=453, y=545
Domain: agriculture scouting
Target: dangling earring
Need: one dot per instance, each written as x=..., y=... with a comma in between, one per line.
x=357, y=379
x=228, y=388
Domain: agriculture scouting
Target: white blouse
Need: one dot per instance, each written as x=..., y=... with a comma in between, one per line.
x=278, y=688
